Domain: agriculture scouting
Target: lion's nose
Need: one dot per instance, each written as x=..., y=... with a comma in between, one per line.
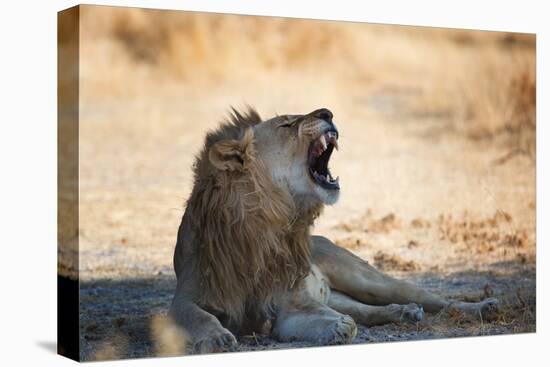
x=323, y=114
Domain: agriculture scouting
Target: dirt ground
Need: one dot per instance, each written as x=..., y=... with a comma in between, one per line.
x=437, y=163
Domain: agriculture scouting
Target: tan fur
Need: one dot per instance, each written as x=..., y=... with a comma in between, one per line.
x=245, y=259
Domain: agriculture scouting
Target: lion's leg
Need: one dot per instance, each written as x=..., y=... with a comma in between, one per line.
x=353, y=276
x=204, y=329
x=300, y=317
x=375, y=315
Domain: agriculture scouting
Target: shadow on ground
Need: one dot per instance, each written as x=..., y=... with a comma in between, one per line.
x=116, y=315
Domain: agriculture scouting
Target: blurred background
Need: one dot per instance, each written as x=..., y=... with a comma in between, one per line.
x=437, y=158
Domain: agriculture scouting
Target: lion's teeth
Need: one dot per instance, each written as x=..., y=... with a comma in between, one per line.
x=323, y=141
x=333, y=139
x=334, y=142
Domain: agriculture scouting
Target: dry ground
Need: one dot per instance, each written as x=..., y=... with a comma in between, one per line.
x=437, y=159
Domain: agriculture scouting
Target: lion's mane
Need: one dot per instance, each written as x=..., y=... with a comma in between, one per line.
x=252, y=238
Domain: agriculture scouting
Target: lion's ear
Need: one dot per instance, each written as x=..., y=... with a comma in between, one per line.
x=233, y=155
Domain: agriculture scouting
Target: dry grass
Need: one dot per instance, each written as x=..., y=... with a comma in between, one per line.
x=385, y=262
x=483, y=84
x=471, y=237
x=497, y=100
x=369, y=223
x=202, y=47
x=485, y=235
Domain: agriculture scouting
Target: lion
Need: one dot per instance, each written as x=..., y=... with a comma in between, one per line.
x=245, y=258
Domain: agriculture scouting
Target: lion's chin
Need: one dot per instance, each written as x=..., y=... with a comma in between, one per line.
x=327, y=197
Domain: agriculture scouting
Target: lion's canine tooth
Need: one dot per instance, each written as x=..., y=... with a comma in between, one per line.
x=334, y=142
x=323, y=141
x=332, y=138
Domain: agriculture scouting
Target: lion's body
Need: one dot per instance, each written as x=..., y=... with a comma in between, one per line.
x=245, y=260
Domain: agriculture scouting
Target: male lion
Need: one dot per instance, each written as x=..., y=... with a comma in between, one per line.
x=245, y=260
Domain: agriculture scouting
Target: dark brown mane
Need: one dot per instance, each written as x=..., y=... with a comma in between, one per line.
x=251, y=241
x=234, y=126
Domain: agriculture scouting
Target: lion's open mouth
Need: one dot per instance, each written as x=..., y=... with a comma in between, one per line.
x=319, y=154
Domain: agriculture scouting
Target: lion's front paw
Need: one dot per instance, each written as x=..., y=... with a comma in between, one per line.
x=412, y=313
x=215, y=342
x=341, y=331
